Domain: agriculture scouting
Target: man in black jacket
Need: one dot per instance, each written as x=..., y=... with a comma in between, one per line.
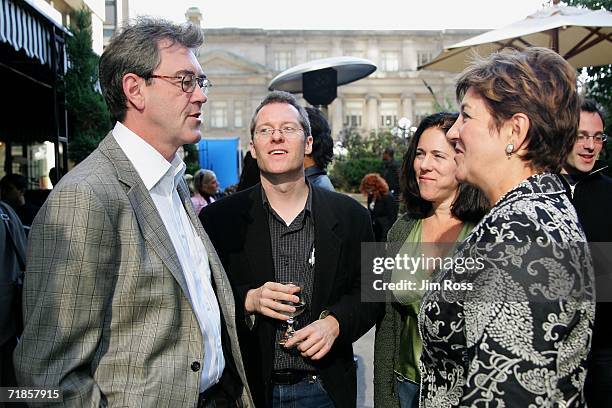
x=285, y=229
x=315, y=163
x=591, y=193
x=12, y=264
x=391, y=172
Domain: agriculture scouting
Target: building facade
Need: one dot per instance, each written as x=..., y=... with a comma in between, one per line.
x=117, y=14
x=66, y=7
x=242, y=62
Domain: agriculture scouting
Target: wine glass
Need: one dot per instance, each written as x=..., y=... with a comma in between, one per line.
x=299, y=306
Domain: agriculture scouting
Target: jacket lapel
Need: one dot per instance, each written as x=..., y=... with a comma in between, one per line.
x=327, y=249
x=153, y=230
x=258, y=248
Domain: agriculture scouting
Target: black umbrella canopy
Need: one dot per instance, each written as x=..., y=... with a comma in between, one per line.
x=349, y=69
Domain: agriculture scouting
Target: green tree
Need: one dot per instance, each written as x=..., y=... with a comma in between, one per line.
x=88, y=118
x=363, y=156
x=191, y=159
x=599, y=83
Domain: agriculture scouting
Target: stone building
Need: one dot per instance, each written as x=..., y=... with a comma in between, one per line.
x=242, y=62
x=116, y=14
x=97, y=9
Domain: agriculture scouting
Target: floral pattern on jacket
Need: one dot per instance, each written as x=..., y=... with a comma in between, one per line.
x=519, y=337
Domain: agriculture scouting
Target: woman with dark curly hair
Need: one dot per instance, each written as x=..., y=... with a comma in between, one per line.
x=440, y=211
x=514, y=328
x=382, y=206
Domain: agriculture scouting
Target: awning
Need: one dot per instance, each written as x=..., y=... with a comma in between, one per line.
x=32, y=68
x=26, y=28
x=582, y=36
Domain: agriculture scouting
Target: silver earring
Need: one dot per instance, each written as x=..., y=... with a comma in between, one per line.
x=509, y=149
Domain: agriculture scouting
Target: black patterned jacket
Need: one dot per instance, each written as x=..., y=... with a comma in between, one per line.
x=518, y=333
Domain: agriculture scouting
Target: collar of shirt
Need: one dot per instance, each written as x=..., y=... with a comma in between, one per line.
x=307, y=207
x=313, y=171
x=150, y=165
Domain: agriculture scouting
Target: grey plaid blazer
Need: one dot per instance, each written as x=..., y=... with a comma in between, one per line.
x=108, y=315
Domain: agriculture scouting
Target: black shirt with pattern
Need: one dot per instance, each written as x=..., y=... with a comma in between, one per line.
x=292, y=249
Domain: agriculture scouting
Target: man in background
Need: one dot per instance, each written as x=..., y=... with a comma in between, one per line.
x=13, y=190
x=316, y=162
x=12, y=266
x=391, y=172
x=591, y=193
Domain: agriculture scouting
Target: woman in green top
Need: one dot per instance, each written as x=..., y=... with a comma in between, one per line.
x=439, y=211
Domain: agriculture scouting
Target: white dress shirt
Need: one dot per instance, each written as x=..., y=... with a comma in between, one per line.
x=161, y=180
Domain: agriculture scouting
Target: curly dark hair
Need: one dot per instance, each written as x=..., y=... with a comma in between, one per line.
x=537, y=82
x=322, y=142
x=470, y=204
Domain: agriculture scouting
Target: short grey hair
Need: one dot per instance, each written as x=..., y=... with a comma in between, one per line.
x=202, y=177
x=283, y=97
x=135, y=49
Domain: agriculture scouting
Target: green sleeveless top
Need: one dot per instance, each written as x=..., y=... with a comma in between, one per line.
x=407, y=365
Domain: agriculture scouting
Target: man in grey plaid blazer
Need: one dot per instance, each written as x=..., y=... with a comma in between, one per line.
x=126, y=302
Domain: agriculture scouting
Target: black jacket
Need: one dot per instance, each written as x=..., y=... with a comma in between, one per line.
x=384, y=213
x=591, y=194
x=391, y=174
x=238, y=228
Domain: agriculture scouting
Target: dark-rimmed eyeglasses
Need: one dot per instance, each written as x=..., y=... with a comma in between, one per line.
x=284, y=131
x=189, y=81
x=598, y=138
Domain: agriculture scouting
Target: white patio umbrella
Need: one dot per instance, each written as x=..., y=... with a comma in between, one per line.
x=582, y=36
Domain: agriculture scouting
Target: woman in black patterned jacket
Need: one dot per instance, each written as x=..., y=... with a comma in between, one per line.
x=510, y=323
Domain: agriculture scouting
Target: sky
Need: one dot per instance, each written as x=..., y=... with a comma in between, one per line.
x=344, y=14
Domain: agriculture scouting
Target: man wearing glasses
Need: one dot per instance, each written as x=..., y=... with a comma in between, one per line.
x=591, y=193
x=282, y=230
x=126, y=302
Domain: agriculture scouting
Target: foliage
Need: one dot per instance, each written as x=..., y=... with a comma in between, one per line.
x=191, y=159
x=359, y=146
x=363, y=156
x=88, y=117
x=599, y=82
x=346, y=174
x=449, y=105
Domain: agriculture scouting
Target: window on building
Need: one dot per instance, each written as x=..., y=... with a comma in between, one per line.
x=111, y=13
x=218, y=114
x=353, y=114
x=422, y=109
x=390, y=61
x=283, y=60
x=238, y=115
x=108, y=32
x=424, y=56
x=319, y=54
x=388, y=114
